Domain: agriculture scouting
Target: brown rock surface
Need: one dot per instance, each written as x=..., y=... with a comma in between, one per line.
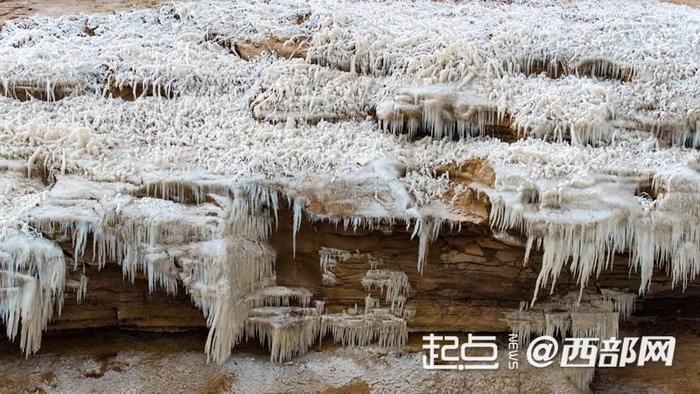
x=469, y=204
x=692, y=3
x=470, y=281
x=280, y=46
x=20, y=8
x=113, y=302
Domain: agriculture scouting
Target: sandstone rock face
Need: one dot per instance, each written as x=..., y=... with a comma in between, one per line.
x=113, y=302
x=12, y=9
x=471, y=281
x=295, y=173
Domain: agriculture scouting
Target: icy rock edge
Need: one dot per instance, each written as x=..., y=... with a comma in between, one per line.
x=167, y=141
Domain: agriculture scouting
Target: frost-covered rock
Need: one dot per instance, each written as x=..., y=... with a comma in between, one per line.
x=148, y=138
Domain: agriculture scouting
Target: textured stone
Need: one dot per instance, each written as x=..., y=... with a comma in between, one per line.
x=456, y=257
x=471, y=294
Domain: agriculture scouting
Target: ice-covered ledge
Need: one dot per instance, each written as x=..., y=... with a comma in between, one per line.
x=177, y=141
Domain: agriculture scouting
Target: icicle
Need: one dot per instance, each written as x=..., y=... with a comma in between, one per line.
x=624, y=302
x=287, y=331
x=32, y=277
x=360, y=330
x=394, y=283
x=329, y=257
x=296, y=226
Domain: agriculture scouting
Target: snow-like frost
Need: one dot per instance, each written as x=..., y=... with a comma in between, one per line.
x=195, y=166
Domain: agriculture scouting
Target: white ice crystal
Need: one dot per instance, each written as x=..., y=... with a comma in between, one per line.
x=138, y=132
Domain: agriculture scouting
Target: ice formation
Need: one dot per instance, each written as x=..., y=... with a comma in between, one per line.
x=440, y=111
x=138, y=138
x=299, y=92
x=329, y=257
x=574, y=315
x=31, y=285
x=385, y=325
x=374, y=325
x=287, y=331
x=394, y=284
x=591, y=315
